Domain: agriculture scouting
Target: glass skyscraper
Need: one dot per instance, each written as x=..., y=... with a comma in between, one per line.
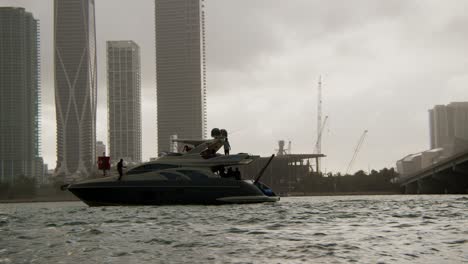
x=180, y=70
x=124, y=100
x=19, y=95
x=75, y=87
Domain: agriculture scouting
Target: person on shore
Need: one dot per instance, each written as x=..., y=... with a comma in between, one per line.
x=227, y=147
x=120, y=167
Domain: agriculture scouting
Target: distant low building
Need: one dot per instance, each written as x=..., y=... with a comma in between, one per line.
x=448, y=127
x=409, y=164
x=429, y=157
x=100, y=149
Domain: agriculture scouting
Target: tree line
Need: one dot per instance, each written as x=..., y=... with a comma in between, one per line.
x=359, y=182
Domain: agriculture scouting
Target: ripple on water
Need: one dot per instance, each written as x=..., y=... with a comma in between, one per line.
x=90, y=249
x=257, y=232
x=455, y=242
x=275, y=226
x=411, y=215
x=403, y=226
x=319, y=234
x=5, y=260
x=236, y=230
x=94, y=231
x=159, y=241
x=193, y=244
x=411, y=255
x=120, y=254
x=25, y=237
x=75, y=223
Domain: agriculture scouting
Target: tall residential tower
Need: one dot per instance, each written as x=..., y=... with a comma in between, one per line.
x=75, y=87
x=449, y=126
x=180, y=70
x=123, y=100
x=19, y=95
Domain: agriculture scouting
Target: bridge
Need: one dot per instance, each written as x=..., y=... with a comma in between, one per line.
x=446, y=176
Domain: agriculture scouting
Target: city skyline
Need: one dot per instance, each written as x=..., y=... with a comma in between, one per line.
x=386, y=65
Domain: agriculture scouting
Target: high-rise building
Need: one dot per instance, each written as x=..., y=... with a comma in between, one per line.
x=75, y=87
x=124, y=100
x=180, y=70
x=449, y=126
x=19, y=94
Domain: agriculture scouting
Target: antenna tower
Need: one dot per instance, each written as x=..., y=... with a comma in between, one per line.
x=318, y=144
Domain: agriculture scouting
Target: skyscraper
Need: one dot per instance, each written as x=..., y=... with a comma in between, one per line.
x=19, y=94
x=75, y=87
x=124, y=100
x=449, y=126
x=180, y=70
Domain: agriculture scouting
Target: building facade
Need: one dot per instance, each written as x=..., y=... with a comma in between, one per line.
x=124, y=100
x=449, y=126
x=180, y=70
x=75, y=87
x=448, y=135
x=19, y=95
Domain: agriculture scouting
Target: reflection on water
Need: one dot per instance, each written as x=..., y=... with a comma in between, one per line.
x=340, y=229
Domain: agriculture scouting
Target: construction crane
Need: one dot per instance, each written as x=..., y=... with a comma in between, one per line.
x=319, y=136
x=356, y=150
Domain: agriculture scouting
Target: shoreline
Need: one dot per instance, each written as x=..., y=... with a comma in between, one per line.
x=74, y=199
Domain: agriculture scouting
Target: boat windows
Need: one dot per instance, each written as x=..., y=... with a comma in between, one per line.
x=150, y=167
x=193, y=175
x=171, y=176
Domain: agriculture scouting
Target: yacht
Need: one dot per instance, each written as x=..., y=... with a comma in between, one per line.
x=196, y=176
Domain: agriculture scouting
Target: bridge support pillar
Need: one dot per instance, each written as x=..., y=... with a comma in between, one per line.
x=431, y=186
x=456, y=183
x=411, y=188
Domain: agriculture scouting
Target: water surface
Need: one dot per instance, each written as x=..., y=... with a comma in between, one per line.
x=339, y=229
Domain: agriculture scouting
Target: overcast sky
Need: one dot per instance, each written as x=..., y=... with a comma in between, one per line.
x=383, y=64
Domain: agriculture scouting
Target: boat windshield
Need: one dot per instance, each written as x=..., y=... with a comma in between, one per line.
x=194, y=175
x=172, y=176
x=151, y=167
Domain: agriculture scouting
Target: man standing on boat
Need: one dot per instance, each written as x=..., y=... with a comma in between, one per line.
x=120, y=167
x=227, y=146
